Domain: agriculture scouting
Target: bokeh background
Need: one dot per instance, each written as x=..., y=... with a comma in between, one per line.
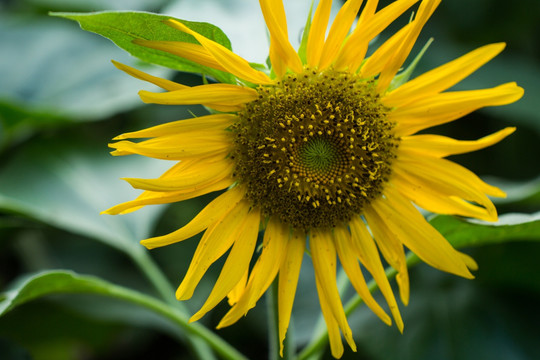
x=61, y=101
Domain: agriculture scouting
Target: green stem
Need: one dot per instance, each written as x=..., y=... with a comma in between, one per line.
x=166, y=291
x=176, y=316
x=318, y=343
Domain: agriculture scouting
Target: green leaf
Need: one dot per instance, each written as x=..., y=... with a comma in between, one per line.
x=70, y=183
x=124, y=27
x=67, y=282
x=510, y=227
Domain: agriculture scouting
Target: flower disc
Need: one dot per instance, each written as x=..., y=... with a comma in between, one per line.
x=314, y=148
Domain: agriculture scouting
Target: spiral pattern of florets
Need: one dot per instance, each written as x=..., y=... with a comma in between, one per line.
x=314, y=148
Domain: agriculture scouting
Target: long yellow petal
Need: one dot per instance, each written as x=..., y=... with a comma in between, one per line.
x=281, y=49
x=419, y=236
x=431, y=198
x=211, y=214
x=352, y=268
x=354, y=50
x=217, y=239
x=442, y=77
x=193, y=52
x=276, y=237
x=426, y=9
x=189, y=181
x=334, y=337
x=317, y=32
x=323, y=254
x=233, y=63
x=222, y=94
x=203, y=123
x=442, y=146
x=367, y=252
x=339, y=30
x=288, y=279
x=236, y=265
x=391, y=248
x=446, y=172
x=378, y=60
x=155, y=198
x=162, y=83
x=445, y=107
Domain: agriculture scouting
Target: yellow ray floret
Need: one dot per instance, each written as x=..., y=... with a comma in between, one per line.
x=443, y=77
x=288, y=279
x=281, y=50
x=442, y=146
x=222, y=94
x=354, y=50
x=211, y=214
x=237, y=263
x=233, y=63
x=323, y=254
x=217, y=239
x=445, y=107
x=194, y=52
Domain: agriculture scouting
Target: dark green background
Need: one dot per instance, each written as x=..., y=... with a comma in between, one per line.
x=61, y=101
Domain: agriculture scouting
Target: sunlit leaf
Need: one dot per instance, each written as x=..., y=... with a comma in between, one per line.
x=124, y=27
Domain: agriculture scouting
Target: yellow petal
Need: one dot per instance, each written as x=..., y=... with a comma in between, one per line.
x=217, y=239
x=189, y=181
x=445, y=107
x=367, y=252
x=238, y=290
x=222, y=94
x=189, y=51
x=155, y=198
x=339, y=30
x=352, y=268
x=281, y=49
x=211, y=214
x=419, y=236
x=378, y=60
x=354, y=50
x=288, y=279
x=204, y=123
x=336, y=346
x=429, y=197
x=442, y=146
x=162, y=83
x=317, y=32
x=233, y=63
x=444, y=171
x=236, y=265
x=443, y=77
x=426, y=9
x=323, y=254
x=275, y=240
x=391, y=248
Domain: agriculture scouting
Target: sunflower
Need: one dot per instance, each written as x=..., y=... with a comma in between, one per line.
x=321, y=154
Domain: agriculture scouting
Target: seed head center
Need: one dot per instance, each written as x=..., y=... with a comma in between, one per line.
x=314, y=148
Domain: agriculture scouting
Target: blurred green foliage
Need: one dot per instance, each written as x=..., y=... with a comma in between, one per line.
x=61, y=100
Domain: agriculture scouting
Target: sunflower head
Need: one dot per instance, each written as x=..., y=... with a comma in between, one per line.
x=314, y=148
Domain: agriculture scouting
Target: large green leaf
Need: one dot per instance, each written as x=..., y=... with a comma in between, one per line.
x=67, y=182
x=124, y=27
x=510, y=227
x=67, y=282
